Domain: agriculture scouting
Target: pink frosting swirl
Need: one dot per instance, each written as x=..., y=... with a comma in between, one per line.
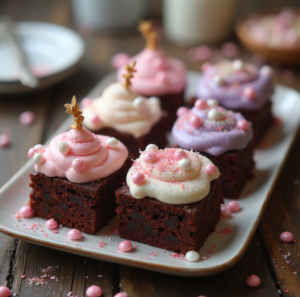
x=97, y=159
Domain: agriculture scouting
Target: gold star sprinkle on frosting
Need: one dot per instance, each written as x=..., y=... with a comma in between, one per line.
x=75, y=111
x=130, y=69
x=146, y=28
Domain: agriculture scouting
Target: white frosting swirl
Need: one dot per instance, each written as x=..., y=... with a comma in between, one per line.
x=123, y=110
x=166, y=182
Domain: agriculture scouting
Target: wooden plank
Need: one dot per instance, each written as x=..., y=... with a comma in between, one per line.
x=137, y=282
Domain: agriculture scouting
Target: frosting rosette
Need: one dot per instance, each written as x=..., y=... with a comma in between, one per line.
x=210, y=128
x=172, y=176
x=157, y=73
x=236, y=85
x=80, y=156
x=123, y=110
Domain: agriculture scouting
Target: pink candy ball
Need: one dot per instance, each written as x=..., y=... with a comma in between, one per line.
x=243, y=125
x=26, y=212
x=94, y=291
x=286, y=237
x=51, y=224
x=119, y=60
x=31, y=152
x=181, y=111
x=149, y=157
x=125, y=246
x=95, y=119
x=211, y=169
x=233, y=206
x=138, y=178
x=253, y=281
x=225, y=211
x=180, y=154
x=78, y=165
x=249, y=93
x=161, y=76
x=4, y=291
x=121, y=294
x=195, y=121
x=201, y=104
x=86, y=101
x=27, y=118
x=74, y=234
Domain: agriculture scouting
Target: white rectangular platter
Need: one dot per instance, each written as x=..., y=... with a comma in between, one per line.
x=222, y=249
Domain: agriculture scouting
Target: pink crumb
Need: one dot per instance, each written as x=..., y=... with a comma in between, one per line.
x=94, y=291
x=27, y=118
x=74, y=234
x=125, y=246
x=253, y=281
x=286, y=237
x=26, y=212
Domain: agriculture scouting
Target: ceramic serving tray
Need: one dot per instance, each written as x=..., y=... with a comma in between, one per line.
x=222, y=249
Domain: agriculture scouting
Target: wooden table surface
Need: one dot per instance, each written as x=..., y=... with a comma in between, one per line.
x=264, y=255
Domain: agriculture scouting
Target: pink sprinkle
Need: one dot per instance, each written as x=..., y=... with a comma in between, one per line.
x=4, y=140
x=119, y=60
x=31, y=152
x=233, y=206
x=51, y=224
x=17, y=216
x=86, y=101
x=249, y=93
x=27, y=118
x=26, y=212
x=243, y=125
x=95, y=119
x=195, y=121
x=286, y=237
x=45, y=234
x=74, y=234
x=180, y=154
x=23, y=276
x=225, y=211
x=138, y=178
x=211, y=169
x=4, y=291
x=125, y=246
x=78, y=165
x=181, y=111
x=253, y=281
x=201, y=104
x=55, y=231
x=94, y=291
x=149, y=157
x=121, y=294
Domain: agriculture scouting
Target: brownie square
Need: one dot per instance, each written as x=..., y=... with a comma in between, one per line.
x=87, y=207
x=235, y=167
x=179, y=228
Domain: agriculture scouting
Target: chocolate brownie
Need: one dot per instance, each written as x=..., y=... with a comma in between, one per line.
x=179, y=228
x=87, y=207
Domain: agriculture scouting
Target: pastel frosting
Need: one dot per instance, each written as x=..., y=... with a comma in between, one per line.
x=217, y=130
x=167, y=177
x=236, y=85
x=123, y=110
x=157, y=73
x=80, y=156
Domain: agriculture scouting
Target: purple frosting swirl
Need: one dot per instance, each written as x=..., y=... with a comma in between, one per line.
x=212, y=136
x=236, y=85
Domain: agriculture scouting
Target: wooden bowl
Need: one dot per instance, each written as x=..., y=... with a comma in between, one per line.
x=281, y=55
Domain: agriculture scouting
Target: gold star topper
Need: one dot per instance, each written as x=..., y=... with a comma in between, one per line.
x=130, y=69
x=75, y=111
x=146, y=28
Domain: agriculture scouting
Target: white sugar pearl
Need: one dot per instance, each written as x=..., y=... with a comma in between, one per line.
x=266, y=70
x=154, y=99
x=38, y=159
x=214, y=115
x=212, y=102
x=63, y=148
x=218, y=80
x=40, y=148
x=185, y=164
x=139, y=103
x=151, y=147
x=112, y=143
x=192, y=256
x=238, y=65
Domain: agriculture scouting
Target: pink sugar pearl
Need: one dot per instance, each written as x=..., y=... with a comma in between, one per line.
x=249, y=93
x=121, y=294
x=119, y=60
x=149, y=157
x=253, y=281
x=27, y=118
x=86, y=101
x=233, y=206
x=78, y=165
x=181, y=111
x=161, y=76
x=4, y=291
x=201, y=104
x=74, y=234
x=195, y=121
x=211, y=169
x=94, y=291
x=138, y=178
x=225, y=211
x=243, y=125
x=286, y=237
x=4, y=140
x=26, y=212
x=51, y=224
x=125, y=246
x=180, y=154
x=95, y=119
x=31, y=152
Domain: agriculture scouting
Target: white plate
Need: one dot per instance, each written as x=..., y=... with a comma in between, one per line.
x=53, y=51
x=222, y=249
